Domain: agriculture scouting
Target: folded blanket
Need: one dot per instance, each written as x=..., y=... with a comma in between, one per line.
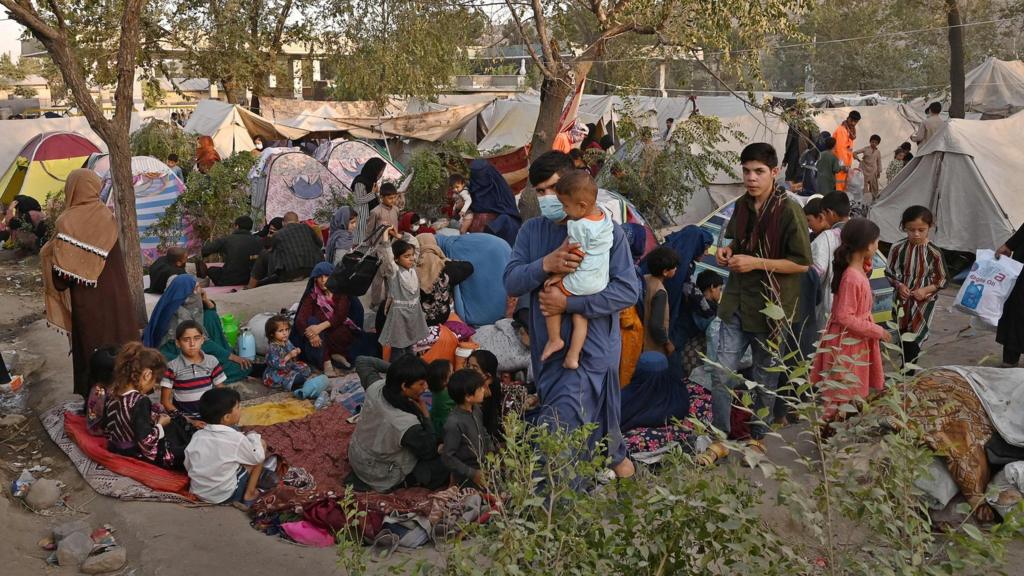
x=1002, y=396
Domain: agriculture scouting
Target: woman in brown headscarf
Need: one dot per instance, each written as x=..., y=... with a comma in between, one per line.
x=206, y=154
x=84, y=278
x=438, y=276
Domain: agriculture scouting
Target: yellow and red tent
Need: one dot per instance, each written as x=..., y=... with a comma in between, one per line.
x=44, y=163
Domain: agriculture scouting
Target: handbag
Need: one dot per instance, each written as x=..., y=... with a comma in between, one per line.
x=354, y=274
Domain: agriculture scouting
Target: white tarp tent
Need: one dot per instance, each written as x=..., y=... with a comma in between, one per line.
x=995, y=88
x=233, y=127
x=968, y=175
x=318, y=120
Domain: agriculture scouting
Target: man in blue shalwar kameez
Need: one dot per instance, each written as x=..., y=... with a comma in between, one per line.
x=590, y=394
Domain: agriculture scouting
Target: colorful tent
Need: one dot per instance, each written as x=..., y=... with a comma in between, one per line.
x=156, y=189
x=294, y=182
x=345, y=158
x=716, y=222
x=44, y=163
x=624, y=211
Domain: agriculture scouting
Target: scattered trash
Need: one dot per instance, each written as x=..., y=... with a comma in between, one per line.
x=48, y=543
x=103, y=537
x=21, y=486
x=72, y=550
x=42, y=494
x=105, y=559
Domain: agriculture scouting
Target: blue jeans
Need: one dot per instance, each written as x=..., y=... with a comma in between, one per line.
x=732, y=344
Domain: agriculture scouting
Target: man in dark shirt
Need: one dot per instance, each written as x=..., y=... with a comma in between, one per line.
x=170, y=264
x=238, y=251
x=294, y=251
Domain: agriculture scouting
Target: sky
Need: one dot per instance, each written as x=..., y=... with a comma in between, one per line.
x=10, y=32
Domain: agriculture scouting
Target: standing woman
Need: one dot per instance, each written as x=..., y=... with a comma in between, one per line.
x=1010, y=332
x=84, y=278
x=364, y=191
x=206, y=154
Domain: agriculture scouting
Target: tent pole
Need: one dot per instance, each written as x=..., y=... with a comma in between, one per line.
x=385, y=137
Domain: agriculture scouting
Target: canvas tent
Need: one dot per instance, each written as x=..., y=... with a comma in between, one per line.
x=233, y=127
x=43, y=164
x=345, y=158
x=294, y=182
x=317, y=120
x=716, y=222
x=995, y=89
x=968, y=175
x=156, y=189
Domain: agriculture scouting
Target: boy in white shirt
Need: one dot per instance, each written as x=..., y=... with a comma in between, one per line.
x=225, y=466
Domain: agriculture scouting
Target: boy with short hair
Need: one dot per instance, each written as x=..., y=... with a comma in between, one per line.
x=170, y=264
x=662, y=263
x=466, y=440
x=836, y=209
x=225, y=466
x=191, y=374
x=172, y=163
x=816, y=220
x=828, y=166
x=387, y=211
x=700, y=309
x=871, y=165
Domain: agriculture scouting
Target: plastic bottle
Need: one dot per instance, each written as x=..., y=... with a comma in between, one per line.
x=972, y=296
x=247, y=344
x=230, y=326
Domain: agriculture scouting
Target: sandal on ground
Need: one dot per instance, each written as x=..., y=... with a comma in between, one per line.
x=757, y=446
x=714, y=453
x=244, y=505
x=384, y=545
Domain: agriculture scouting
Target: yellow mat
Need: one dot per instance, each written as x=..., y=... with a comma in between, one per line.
x=268, y=413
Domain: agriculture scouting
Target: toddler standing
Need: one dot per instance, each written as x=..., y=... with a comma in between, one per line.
x=590, y=230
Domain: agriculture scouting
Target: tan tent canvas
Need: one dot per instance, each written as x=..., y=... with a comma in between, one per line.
x=968, y=175
x=995, y=88
x=233, y=127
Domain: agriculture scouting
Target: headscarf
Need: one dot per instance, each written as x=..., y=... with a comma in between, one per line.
x=206, y=154
x=177, y=292
x=322, y=300
x=86, y=232
x=368, y=177
x=489, y=191
x=341, y=237
x=822, y=138
x=275, y=223
x=431, y=261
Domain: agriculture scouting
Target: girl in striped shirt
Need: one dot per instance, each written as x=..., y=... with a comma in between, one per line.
x=917, y=273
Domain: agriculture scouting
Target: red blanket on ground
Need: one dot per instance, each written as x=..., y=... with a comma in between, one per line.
x=95, y=447
x=319, y=445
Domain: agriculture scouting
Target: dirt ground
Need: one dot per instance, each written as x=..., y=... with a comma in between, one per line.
x=170, y=539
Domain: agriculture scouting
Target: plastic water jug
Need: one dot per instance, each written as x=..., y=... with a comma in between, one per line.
x=247, y=344
x=230, y=327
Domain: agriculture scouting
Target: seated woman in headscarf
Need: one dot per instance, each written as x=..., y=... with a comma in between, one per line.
x=438, y=277
x=184, y=300
x=653, y=398
x=326, y=324
x=480, y=298
x=492, y=202
x=206, y=154
x=342, y=237
x=394, y=444
x=364, y=192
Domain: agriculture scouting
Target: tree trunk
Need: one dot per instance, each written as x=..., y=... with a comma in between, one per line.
x=128, y=237
x=957, y=80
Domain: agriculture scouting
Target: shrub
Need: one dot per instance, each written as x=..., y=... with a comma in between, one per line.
x=428, y=191
x=160, y=139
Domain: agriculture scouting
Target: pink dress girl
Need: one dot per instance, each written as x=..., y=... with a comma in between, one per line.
x=849, y=354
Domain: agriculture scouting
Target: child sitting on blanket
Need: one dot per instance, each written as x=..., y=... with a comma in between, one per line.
x=284, y=370
x=225, y=466
x=101, y=378
x=591, y=231
x=438, y=374
x=134, y=426
x=191, y=374
x=466, y=440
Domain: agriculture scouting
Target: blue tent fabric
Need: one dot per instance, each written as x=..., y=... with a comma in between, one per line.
x=654, y=398
x=480, y=299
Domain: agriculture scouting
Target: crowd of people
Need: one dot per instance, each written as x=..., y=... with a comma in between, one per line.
x=612, y=333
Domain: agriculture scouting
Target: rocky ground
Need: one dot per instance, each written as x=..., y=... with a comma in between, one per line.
x=170, y=539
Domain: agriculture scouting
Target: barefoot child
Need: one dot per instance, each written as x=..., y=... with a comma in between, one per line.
x=284, y=370
x=590, y=230
x=466, y=440
x=225, y=466
x=848, y=354
x=134, y=427
x=917, y=273
x=405, y=322
x=190, y=374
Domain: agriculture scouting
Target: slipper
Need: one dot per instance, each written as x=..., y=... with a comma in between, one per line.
x=340, y=361
x=384, y=545
x=714, y=453
x=244, y=505
x=757, y=446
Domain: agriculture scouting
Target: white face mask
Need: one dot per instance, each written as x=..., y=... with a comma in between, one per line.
x=259, y=145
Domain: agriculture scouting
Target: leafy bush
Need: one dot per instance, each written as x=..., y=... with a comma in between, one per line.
x=211, y=202
x=431, y=167
x=160, y=139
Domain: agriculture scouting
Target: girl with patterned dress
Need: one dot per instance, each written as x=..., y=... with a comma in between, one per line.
x=917, y=273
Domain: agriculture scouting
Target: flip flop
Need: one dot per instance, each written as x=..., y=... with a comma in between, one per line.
x=384, y=545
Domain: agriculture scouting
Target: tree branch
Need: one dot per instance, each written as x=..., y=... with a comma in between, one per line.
x=57, y=14
x=543, y=36
x=282, y=18
x=26, y=15
x=127, y=51
x=526, y=40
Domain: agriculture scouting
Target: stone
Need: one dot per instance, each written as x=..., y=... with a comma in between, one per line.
x=66, y=529
x=113, y=559
x=12, y=420
x=42, y=494
x=47, y=461
x=73, y=549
